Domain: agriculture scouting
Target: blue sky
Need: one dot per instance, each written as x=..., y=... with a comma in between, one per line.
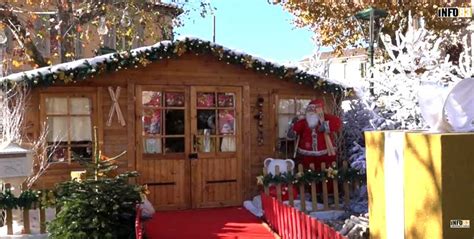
x=255, y=27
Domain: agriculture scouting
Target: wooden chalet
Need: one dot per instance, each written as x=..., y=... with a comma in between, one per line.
x=196, y=119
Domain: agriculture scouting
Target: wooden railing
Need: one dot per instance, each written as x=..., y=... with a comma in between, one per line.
x=26, y=220
x=26, y=217
x=323, y=177
x=291, y=223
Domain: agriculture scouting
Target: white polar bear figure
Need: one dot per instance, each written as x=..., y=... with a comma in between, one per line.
x=271, y=163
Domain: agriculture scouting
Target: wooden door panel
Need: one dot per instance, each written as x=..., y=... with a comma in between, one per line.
x=174, y=181
x=216, y=173
x=220, y=180
x=167, y=185
x=164, y=170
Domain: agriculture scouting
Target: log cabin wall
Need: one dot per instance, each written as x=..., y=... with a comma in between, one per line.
x=188, y=70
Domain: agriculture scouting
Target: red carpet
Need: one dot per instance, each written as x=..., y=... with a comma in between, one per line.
x=235, y=223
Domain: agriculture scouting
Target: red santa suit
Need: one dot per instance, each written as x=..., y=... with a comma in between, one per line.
x=312, y=144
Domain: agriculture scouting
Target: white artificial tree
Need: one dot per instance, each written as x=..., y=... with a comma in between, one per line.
x=12, y=114
x=466, y=59
x=415, y=59
x=314, y=64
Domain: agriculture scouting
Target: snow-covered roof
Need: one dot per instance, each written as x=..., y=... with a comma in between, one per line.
x=84, y=68
x=85, y=62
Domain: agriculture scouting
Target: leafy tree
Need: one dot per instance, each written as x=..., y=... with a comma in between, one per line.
x=71, y=19
x=335, y=24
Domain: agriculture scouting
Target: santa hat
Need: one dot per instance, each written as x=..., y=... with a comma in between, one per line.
x=314, y=104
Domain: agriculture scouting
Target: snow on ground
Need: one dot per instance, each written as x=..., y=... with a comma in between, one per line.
x=34, y=224
x=255, y=207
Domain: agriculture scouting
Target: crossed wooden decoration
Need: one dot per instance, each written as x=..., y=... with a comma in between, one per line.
x=115, y=107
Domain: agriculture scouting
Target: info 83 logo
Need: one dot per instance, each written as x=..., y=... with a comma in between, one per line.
x=455, y=12
x=457, y=223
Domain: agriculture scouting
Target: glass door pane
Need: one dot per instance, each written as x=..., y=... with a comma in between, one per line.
x=163, y=121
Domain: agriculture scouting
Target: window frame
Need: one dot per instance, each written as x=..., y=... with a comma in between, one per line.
x=218, y=137
x=88, y=93
x=162, y=136
x=276, y=105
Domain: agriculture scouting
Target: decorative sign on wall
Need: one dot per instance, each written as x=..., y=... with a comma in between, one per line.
x=259, y=117
x=115, y=107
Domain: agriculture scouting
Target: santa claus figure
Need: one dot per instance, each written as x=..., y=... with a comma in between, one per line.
x=314, y=136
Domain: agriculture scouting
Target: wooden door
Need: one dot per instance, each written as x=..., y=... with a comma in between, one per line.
x=216, y=114
x=164, y=144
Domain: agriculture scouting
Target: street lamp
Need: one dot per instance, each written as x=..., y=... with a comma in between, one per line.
x=374, y=16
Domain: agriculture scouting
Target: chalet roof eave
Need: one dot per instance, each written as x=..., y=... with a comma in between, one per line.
x=82, y=69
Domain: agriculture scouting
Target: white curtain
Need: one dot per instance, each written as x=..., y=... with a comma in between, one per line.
x=152, y=146
x=79, y=105
x=57, y=129
x=56, y=105
x=228, y=144
x=283, y=125
x=80, y=128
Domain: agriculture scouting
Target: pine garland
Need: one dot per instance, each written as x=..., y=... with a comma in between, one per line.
x=8, y=200
x=167, y=50
x=309, y=176
x=27, y=199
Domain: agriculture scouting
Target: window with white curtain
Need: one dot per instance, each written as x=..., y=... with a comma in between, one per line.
x=69, y=124
x=288, y=108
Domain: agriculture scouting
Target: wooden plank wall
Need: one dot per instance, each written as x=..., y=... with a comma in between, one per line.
x=115, y=139
x=198, y=70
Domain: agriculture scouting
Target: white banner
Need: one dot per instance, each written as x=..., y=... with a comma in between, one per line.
x=394, y=194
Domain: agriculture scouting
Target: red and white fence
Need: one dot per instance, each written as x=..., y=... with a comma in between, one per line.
x=291, y=223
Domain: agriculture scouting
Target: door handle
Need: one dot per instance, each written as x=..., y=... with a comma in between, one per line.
x=195, y=144
x=193, y=156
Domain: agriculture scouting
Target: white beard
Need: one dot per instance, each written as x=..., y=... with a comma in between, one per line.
x=312, y=120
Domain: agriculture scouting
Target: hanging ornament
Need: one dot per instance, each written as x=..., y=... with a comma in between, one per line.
x=180, y=48
x=102, y=30
x=126, y=21
x=259, y=117
x=248, y=61
x=3, y=36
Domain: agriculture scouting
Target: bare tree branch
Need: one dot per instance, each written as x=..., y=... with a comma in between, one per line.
x=12, y=112
x=42, y=152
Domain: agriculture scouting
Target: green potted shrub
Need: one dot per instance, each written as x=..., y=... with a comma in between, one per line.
x=98, y=206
